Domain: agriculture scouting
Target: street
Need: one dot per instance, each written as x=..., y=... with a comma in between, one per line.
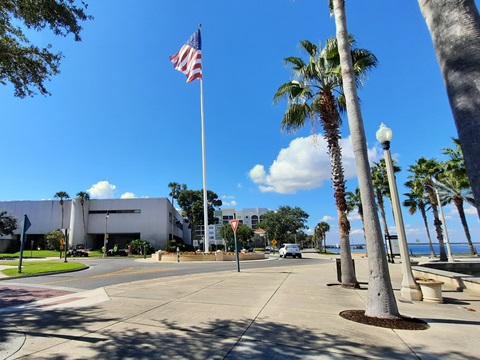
x=117, y=270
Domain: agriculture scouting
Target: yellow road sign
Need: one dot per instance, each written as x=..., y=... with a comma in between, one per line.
x=274, y=242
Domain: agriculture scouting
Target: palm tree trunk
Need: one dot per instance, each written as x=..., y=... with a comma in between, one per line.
x=455, y=30
x=331, y=124
x=459, y=204
x=436, y=222
x=381, y=207
x=424, y=217
x=349, y=279
x=380, y=298
x=61, y=203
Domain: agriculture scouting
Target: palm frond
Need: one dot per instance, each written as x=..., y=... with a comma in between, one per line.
x=295, y=117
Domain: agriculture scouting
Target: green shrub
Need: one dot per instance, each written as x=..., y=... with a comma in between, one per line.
x=138, y=245
x=172, y=245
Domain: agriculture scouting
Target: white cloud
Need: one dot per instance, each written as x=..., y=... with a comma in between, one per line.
x=102, y=190
x=327, y=218
x=470, y=210
x=227, y=202
x=354, y=216
x=305, y=165
x=128, y=195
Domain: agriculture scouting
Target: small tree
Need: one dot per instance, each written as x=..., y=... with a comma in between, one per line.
x=278, y=224
x=244, y=235
x=53, y=238
x=8, y=223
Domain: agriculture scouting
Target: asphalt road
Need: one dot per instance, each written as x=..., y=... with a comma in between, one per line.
x=110, y=271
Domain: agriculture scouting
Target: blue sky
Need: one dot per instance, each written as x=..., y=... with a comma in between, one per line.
x=121, y=122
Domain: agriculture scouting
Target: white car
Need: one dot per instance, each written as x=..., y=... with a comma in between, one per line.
x=292, y=250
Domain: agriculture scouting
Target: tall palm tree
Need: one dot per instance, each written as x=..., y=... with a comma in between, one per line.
x=175, y=189
x=453, y=189
x=416, y=200
x=382, y=189
x=83, y=196
x=455, y=30
x=455, y=186
x=424, y=171
x=380, y=298
x=354, y=200
x=315, y=94
x=61, y=195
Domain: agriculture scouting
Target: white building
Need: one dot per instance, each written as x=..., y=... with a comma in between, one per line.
x=150, y=219
x=248, y=216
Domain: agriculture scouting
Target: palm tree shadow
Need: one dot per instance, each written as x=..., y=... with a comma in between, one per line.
x=113, y=337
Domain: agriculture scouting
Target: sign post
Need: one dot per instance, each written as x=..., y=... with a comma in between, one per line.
x=234, y=225
x=65, y=234
x=25, y=224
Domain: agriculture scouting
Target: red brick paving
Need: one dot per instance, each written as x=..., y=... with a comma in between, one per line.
x=20, y=295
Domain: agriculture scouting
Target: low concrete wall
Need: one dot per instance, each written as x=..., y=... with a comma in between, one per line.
x=219, y=256
x=456, y=280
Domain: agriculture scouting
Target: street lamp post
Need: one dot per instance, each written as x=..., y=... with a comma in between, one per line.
x=410, y=290
x=105, y=239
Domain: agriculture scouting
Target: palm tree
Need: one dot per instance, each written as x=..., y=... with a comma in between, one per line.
x=316, y=95
x=354, y=200
x=380, y=186
x=380, y=298
x=175, y=189
x=456, y=162
x=456, y=190
x=455, y=30
x=321, y=234
x=455, y=187
x=382, y=189
x=424, y=171
x=83, y=196
x=416, y=200
x=61, y=195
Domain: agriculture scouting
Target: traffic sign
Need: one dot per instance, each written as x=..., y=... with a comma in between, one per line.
x=25, y=223
x=234, y=225
x=274, y=243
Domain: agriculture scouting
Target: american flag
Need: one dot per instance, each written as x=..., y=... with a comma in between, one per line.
x=189, y=59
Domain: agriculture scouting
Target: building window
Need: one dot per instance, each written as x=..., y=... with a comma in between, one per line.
x=255, y=222
x=226, y=219
x=134, y=211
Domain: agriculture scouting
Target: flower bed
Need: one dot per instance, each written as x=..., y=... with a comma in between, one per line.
x=200, y=256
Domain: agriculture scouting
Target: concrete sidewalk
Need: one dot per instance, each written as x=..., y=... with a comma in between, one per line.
x=277, y=313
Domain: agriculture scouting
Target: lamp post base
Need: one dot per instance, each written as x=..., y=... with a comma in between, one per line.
x=412, y=294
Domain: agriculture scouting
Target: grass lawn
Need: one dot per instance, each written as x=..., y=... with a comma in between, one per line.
x=38, y=267
x=44, y=253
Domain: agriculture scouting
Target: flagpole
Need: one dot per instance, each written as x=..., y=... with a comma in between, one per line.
x=204, y=171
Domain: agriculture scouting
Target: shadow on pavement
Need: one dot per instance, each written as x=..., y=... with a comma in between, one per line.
x=109, y=336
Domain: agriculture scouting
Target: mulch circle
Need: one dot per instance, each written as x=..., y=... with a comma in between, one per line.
x=401, y=323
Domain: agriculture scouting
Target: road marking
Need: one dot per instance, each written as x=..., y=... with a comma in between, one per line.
x=126, y=271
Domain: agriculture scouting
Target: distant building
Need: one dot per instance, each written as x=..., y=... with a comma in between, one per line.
x=248, y=216
x=151, y=219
